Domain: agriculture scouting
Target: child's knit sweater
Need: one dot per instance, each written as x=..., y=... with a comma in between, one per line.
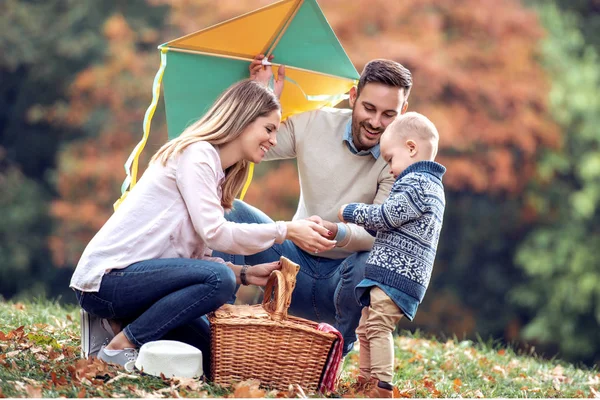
x=407, y=227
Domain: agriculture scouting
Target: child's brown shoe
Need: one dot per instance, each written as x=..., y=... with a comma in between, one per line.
x=379, y=390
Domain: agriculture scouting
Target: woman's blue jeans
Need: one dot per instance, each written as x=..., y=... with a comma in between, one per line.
x=325, y=287
x=163, y=299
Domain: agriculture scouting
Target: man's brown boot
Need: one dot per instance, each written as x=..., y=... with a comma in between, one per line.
x=379, y=390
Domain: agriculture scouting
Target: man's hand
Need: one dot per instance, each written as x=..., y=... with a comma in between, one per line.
x=262, y=73
x=341, y=212
x=259, y=274
x=316, y=219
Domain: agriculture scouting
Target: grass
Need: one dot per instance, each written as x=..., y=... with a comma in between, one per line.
x=39, y=357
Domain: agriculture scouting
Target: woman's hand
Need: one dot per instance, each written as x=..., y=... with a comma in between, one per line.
x=331, y=227
x=309, y=236
x=259, y=274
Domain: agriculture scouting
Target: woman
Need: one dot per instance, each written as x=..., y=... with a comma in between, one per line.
x=148, y=274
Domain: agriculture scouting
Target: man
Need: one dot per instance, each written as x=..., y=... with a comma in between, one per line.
x=337, y=152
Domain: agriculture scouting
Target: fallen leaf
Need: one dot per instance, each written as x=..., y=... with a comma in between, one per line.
x=141, y=393
x=91, y=368
x=498, y=369
x=58, y=380
x=431, y=387
x=82, y=393
x=248, y=389
x=33, y=391
x=447, y=365
x=595, y=393
x=188, y=383
x=59, y=357
x=478, y=394
x=17, y=333
x=457, y=384
x=404, y=393
x=121, y=376
x=417, y=357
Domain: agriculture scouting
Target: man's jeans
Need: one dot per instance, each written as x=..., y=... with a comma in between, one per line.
x=324, y=288
x=163, y=299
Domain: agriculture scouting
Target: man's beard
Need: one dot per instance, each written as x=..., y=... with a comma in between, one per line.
x=358, y=139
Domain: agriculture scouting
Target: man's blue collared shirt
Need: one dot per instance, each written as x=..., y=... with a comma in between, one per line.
x=374, y=151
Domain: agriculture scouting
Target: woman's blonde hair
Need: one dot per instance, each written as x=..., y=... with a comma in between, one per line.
x=236, y=108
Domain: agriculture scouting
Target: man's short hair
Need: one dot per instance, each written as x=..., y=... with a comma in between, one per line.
x=386, y=72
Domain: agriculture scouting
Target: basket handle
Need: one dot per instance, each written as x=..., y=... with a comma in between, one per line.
x=279, y=289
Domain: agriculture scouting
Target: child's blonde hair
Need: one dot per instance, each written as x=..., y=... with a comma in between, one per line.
x=413, y=123
x=239, y=106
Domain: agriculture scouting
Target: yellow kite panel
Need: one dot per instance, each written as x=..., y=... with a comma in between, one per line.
x=244, y=36
x=303, y=84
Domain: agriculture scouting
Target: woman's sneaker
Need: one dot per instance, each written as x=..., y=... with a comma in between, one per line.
x=125, y=358
x=95, y=333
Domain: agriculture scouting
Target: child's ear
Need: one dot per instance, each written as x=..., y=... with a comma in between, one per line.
x=411, y=145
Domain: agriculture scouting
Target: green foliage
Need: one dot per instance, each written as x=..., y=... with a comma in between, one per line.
x=23, y=229
x=588, y=13
x=559, y=256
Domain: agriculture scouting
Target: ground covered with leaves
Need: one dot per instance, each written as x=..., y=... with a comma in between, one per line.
x=39, y=357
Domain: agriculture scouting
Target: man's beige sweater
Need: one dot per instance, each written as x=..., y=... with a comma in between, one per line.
x=330, y=174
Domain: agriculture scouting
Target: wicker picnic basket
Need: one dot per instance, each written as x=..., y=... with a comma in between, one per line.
x=262, y=342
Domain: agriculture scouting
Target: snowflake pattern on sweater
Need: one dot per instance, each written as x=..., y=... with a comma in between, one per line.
x=407, y=228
